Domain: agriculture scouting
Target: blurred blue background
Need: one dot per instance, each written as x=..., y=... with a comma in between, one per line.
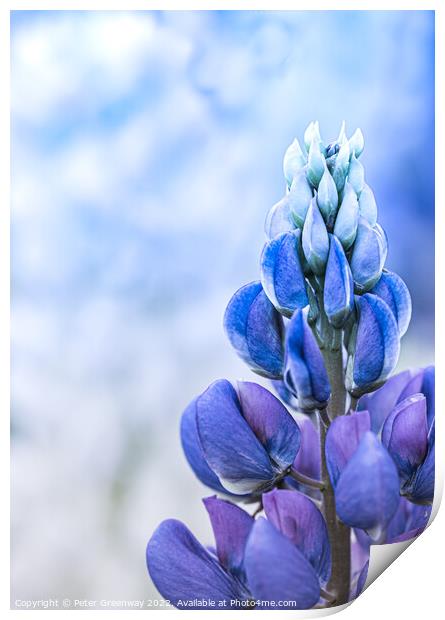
x=146, y=151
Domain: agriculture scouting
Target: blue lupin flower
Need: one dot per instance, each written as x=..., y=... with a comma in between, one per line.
x=282, y=275
x=368, y=206
x=305, y=373
x=375, y=346
x=347, y=218
x=247, y=314
x=368, y=255
x=299, y=198
x=327, y=198
x=356, y=175
x=294, y=160
x=267, y=438
x=339, y=285
x=315, y=239
x=367, y=490
x=279, y=219
x=186, y=573
x=393, y=290
x=357, y=143
x=410, y=442
x=298, y=518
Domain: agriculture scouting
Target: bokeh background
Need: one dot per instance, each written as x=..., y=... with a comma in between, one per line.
x=146, y=151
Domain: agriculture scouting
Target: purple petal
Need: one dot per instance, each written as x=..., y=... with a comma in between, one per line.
x=308, y=459
x=282, y=275
x=229, y=445
x=277, y=570
x=271, y=422
x=362, y=579
x=393, y=290
x=183, y=570
x=367, y=491
x=254, y=329
x=377, y=344
x=297, y=517
x=408, y=522
x=421, y=490
x=405, y=434
x=231, y=527
x=305, y=372
x=342, y=440
x=381, y=402
x=191, y=444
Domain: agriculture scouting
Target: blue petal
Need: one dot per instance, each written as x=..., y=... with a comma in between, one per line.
x=347, y=218
x=367, y=491
x=315, y=239
x=405, y=434
x=327, y=198
x=285, y=394
x=367, y=206
x=229, y=444
x=294, y=160
x=305, y=372
x=393, y=290
x=281, y=273
x=422, y=381
x=254, y=329
x=297, y=517
x=299, y=198
x=368, y=256
x=316, y=163
x=277, y=570
x=272, y=424
x=361, y=581
x=183, y=570
x=231, y=527
x=308, y=459
x=356, y=175
x=408, y=522
x=339, y=285
x=342, y=440
x=191, y=445
x=278, y=219
x=377, y=344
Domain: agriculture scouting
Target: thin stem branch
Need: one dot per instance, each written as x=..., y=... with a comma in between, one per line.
x=306, y=480
x=327, y=596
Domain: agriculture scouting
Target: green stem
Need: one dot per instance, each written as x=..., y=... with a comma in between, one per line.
x=306, y=480
x=339, y=533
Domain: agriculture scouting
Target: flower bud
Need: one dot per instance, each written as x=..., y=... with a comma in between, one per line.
x=299, y=198
x=367, y=205
x=374, y=346
x=312, y=133
x=347, y=218
x=305, y=373
x=315, y=239
x=255, y=330
x=356, y=175
x=316, y=163
x=393, y=290
x=341, y=166
x=278, y=219
x=368, y=255
x=327, y=198
x=282, y=275
x=338, y=286
x=294, y=160
x=357, y=143
x=342, y=135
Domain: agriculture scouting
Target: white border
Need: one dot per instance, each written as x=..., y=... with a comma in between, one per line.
x=411, y=587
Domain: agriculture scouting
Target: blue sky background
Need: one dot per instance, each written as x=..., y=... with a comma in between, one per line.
x=146, y=151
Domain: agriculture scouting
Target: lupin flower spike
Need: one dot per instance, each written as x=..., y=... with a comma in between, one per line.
x=324, y=326
x=282, y=275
